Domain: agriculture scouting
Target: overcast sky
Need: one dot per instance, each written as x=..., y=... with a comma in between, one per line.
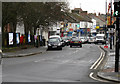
x=91, y=6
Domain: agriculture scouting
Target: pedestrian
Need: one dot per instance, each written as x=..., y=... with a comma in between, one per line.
x=24, y=39
x=21, y=39
x=36, y=41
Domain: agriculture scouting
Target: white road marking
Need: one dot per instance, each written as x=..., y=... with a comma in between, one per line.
x=99, y=62
x=96, y=61
x=91, y=76
x=39, y=60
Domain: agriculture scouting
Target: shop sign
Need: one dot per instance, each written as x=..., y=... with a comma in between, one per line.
x=70, y=29
x=97, y=27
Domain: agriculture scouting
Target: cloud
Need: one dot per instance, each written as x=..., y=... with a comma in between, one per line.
x=33, y=0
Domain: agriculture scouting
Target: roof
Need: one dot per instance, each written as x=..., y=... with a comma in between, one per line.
x=54, y=36
x=100, y=35
x=86, y=17
x=76, y=17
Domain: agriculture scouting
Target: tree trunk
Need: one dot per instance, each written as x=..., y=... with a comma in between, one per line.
x=14, y=26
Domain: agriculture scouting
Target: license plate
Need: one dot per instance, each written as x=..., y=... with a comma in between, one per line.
x=54, y=46
x=75, y=42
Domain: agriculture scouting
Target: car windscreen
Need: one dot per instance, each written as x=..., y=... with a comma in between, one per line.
x=99, y=37
x=82, y=37
x=65, y=38
x=54, y=40
x=75, y=39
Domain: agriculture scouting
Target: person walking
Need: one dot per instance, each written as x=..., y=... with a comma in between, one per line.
x=36, y=41
x=21, y=40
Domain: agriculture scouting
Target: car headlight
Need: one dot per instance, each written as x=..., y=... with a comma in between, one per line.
x=59, y=44
x=67, y=41
x=49, y=44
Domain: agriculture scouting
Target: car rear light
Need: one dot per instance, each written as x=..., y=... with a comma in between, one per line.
x=79, y=42
x=71, y=42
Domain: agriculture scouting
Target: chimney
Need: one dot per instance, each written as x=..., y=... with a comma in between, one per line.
x=99, y=14
x=95, y=14
x=84, y=12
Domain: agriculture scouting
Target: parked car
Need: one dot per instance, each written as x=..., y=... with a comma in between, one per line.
x=83, y=39
x=66, y=40
x=54, y=43
x=75, y=42
x=91, y=40
x=57, y=36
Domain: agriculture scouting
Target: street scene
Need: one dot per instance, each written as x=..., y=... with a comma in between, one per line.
x=60, y=41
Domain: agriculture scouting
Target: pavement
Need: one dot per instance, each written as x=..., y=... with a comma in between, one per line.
x=108, y=71
x=25, y=52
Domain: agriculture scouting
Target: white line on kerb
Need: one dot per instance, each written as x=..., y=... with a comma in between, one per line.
x=91, y=76
x=96, y=61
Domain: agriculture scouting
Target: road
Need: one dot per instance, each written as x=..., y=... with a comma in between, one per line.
x=67, y=65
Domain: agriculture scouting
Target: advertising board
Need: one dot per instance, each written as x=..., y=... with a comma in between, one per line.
x=10, y=38
x=17, y=38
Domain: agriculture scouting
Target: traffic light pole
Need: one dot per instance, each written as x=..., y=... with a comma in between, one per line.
x=111, y=28
x=106, y=23
x=117, y=45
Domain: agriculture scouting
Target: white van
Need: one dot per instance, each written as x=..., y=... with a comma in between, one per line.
x=100, y=38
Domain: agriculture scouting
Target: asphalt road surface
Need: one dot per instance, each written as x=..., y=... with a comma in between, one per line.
x=67, y=65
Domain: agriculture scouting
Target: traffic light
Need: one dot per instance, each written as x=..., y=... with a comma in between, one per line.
x=116, y=9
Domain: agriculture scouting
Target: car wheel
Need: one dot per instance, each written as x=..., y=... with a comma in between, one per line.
x=60, y=48
x=81, y=46
x=49, y=48
x=70, y=46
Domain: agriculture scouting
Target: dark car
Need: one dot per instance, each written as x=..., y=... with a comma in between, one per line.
x=75, y=42
x=54, y=43
x=66, y=40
